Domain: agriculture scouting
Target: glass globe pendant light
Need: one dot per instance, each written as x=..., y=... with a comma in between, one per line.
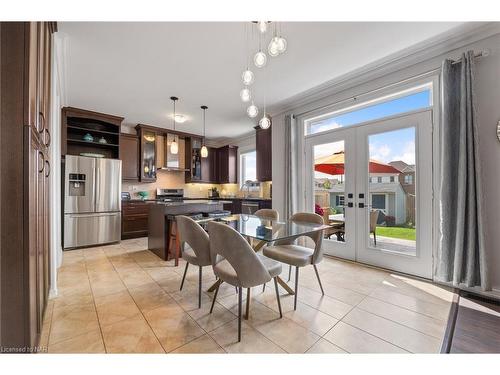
x=260, y=58
x=174, y=147
x=272, y=48
x=281, y=43
x=245, y=95
x=247, y=77
x=252, y=110
x=204, y=149
x=265, y=122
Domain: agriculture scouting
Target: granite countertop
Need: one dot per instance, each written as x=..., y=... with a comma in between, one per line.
x=191, y=201
x=233, y=198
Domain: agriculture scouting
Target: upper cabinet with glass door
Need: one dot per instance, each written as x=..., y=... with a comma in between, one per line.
x=147, y=154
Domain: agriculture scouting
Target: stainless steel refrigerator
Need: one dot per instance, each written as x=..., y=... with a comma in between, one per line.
x=92, y=202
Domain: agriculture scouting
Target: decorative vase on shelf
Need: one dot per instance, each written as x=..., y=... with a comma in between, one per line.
x=102, y=140
x=88, y=138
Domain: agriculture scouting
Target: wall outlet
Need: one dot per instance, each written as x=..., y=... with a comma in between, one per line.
x=134, y=188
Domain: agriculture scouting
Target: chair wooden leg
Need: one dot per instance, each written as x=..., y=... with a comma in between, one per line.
x=278, y=296
x=215, y=297
x=375, y=238
x=264, y=288
x=296, y=288
x=247, y=313
x=200, y=271
x=289, y=273
x=240, y=294
x=184, y=276
x=319, y=280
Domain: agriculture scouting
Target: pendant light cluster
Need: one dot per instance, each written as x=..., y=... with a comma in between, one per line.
x=174, y=147
x=276, y=46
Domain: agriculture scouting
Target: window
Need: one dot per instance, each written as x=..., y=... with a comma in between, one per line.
x=378, y=201
x=408, y=179
x=339, y=200
x=418, y=98
x=379, y=180
x=392, y=179
x=248, y=167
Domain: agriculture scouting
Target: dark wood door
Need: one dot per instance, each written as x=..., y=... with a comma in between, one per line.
x=129, y=154
x=263, y=141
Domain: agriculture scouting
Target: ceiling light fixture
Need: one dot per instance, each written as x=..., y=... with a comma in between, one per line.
x=272, y=48
x=262, y=26
x=174, y=147
x=204, y=149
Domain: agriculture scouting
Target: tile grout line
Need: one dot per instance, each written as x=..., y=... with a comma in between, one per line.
x=94, y=303
x=173, y=299
x=135, y=303
x=401, y=324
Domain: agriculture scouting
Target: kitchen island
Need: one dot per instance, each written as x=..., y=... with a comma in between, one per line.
x=161, y=222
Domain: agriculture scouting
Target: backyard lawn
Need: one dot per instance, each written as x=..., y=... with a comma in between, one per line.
x=397, y=232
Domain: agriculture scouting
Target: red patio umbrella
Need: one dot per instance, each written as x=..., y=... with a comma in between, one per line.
x=334, y=165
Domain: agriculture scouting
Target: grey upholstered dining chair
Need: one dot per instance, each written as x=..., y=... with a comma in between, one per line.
x=267, y=213
x=236, y=263
x=195, y=247
x=288, y=252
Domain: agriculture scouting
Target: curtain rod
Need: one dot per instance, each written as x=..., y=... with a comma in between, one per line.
x=483, y=53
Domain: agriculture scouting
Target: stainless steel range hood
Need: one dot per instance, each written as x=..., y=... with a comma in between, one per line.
x=167, y=161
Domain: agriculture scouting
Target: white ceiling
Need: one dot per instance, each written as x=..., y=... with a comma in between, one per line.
x=131, y=69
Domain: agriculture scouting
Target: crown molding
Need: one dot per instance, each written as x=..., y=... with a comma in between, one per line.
x=444, y=43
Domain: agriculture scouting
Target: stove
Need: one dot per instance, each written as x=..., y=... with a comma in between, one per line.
x=169, y=195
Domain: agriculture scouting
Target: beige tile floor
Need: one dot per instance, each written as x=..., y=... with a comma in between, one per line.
x=121, y=298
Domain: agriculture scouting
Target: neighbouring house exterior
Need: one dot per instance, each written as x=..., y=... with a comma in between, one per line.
x=407, y=181
x=386, y=195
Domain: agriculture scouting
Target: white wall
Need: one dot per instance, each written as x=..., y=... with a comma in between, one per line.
x=413, y=64
x=58, y=100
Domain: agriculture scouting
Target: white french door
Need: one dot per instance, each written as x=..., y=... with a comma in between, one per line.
x=373, y=183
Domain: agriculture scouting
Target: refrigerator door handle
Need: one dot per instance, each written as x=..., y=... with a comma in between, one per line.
x=76, y=216
x=97, y=187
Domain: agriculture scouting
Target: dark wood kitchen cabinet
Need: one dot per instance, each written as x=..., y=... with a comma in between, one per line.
x=264, y=151
x=134, y=219
x=193, y=160
x=129, y=154
x=227, y=165
x=25, y=70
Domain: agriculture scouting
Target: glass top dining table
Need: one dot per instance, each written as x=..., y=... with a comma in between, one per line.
x=266, y=230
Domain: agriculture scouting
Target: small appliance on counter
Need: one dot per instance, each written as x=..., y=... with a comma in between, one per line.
x=126, y=196
x=213, y=193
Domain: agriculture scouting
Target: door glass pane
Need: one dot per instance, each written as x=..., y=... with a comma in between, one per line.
x=329, y=187
x=392, y=193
